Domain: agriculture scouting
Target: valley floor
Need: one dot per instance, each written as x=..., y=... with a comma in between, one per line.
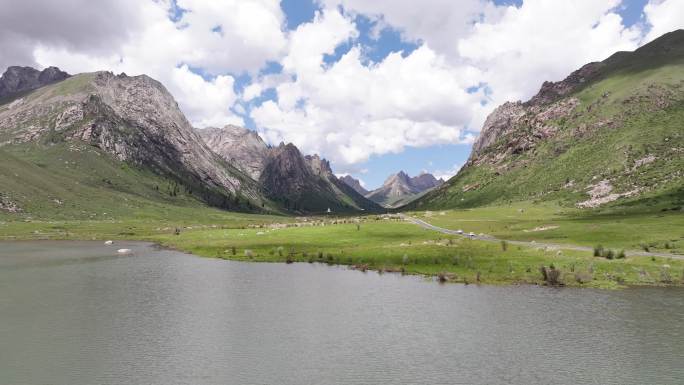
x=391, y=244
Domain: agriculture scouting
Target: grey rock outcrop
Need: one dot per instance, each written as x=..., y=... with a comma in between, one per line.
x=239, y=146
x=17, y=79
x=400, y=188
x=354, y=183
x=297, y=182
x=133, y=118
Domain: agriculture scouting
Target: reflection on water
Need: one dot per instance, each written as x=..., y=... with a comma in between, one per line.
x=78, y=313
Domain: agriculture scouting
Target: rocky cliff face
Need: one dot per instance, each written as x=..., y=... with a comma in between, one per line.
x=134, y=119
x=239, y=146
x=17, y=79
x=400, y=188
x=584, y=139
x=354, y=183
x=307, y=184
x=299, y=183
x=516, y=127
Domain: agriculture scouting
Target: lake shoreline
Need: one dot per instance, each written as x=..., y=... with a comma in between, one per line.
x=418, y=270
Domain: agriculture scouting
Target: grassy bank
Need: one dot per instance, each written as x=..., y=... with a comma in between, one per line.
x=371, y=243
x=637, y=228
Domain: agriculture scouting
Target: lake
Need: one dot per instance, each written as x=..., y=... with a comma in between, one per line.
x=79, y=313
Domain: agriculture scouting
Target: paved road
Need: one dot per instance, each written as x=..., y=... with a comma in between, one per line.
x=632, y=253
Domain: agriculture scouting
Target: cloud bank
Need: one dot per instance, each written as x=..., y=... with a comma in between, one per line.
x=326, y=94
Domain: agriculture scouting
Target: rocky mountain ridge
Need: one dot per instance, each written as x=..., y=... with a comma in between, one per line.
x=18, y=79
x=298, y=182
x=400, y=188
x=135, y=120
x=354, y=183
x=583, y=140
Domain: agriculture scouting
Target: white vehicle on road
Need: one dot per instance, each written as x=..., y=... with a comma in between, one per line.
x=471, y=234
x=459, y=231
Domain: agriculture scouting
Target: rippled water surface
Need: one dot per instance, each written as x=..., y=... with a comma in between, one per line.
x=78, y=313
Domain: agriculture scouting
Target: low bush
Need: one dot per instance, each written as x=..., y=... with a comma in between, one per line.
x=598, y=251
x=551, y=275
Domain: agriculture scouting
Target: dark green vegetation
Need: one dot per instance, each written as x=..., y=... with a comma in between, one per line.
x=76, y=181
x=609, y=134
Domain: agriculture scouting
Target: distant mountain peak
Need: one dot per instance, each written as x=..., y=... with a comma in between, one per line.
x=302, y=183
x=17, y=79
x=399, y=188
x=354, y=183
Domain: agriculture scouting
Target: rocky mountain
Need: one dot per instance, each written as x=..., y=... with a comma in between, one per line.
x=355, y=184
x=17, y=79
x=239, y=146
x=297, y=182
x=608, y=134
x=134, y=121
x=400, y=189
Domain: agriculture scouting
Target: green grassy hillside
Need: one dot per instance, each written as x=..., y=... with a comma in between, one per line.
x=621, y=127
x=78, y=181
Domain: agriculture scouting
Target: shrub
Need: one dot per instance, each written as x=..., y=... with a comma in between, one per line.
x=233, y=250
x=320, y=254
x=455, y=260
x=405, y=259
x=645, y=247
x=280, y=251
x=504, y=245
x=621, y=255
x=598, y=251
x=478, y=276
x=551, y=275
x=609, y=254
x=289, y=259
x=249, y=253
x=442, y=277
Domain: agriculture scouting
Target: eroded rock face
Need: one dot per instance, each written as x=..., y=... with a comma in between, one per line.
x=501, y=121
x=516, y=127
x=354, y=183
x=298, y=182
x=20, y=79
x=553, y=91
x=8, y=205
x=135, y=119
x=400, y=186
x=241, y=147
